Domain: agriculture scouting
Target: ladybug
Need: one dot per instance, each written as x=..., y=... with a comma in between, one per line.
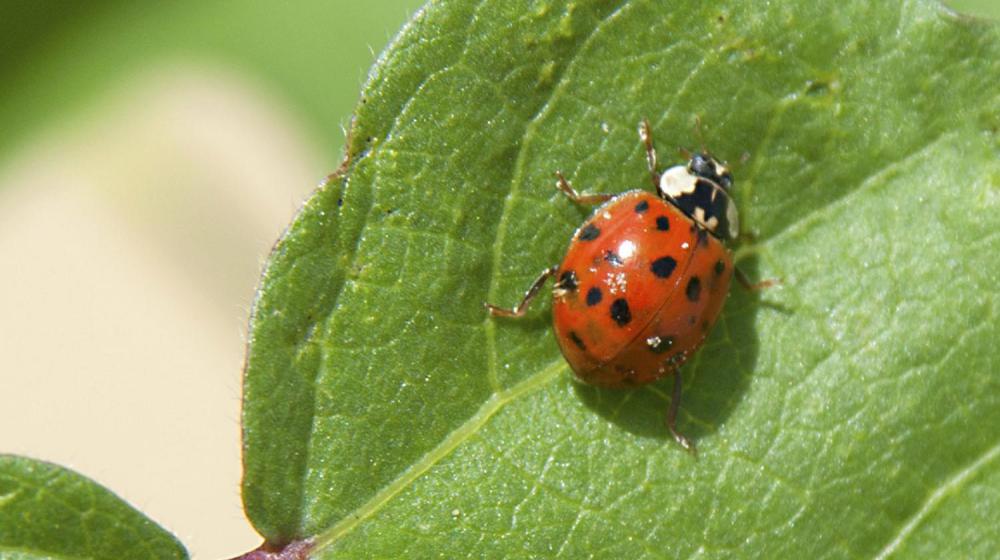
x=645, y=278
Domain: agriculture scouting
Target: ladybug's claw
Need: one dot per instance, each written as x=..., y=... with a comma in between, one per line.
x=684, y=442
x=675, y=404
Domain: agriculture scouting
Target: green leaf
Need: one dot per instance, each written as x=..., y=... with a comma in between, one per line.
x=981, y=8
x=47, y=511
x=847, y=413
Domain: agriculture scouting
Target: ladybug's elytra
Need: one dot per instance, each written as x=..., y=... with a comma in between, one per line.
x=644, y=279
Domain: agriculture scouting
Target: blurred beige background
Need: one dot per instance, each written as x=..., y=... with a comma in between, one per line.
x=138, y=203
x=131, y=246
x=151, y=155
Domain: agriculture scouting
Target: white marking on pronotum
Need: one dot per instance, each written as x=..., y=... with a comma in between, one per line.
x=677, y=181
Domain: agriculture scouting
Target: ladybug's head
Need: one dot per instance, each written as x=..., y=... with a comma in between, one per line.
x=707, y=167
x=701, y=190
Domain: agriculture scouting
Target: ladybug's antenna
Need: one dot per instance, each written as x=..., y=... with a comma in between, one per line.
x=744, y=158
x=699, y=134
x=688, y=154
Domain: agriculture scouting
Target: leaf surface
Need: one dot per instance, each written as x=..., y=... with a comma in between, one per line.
x=50, y=512
x=848, y=412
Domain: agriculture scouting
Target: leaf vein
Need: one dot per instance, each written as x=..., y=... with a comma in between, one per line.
x=950, y=486
x=451, y=442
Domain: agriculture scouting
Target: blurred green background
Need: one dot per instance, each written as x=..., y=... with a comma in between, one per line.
x=150, y=155
x=55, y=57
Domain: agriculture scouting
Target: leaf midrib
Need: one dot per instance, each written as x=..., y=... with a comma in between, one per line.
x=496, y=402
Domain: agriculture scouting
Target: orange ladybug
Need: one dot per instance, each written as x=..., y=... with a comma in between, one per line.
x=645, y=278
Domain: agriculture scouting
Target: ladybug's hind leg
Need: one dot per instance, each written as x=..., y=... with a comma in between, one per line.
x=567, y=189
x=675, y=405
x=519, y=309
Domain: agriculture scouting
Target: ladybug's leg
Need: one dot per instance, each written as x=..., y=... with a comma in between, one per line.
x=563, y=185
x=675, y=404
x=741, y=277
x=519, y=309
x=646, y=135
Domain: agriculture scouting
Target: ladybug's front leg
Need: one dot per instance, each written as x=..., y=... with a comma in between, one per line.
x=563, y=185
x=675, y=405
x=646, y=135
x=519, y=309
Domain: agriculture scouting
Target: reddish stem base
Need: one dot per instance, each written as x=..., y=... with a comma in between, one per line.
x=298, y=550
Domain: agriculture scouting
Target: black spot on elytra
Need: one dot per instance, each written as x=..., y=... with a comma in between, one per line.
x=663, y=267
x=693, y=290
x=662, y=223
x=594, y=296
x=576, y=340
x=612, y=258
x=719, y=267
x=568, y=281
x=620, y=312
x=692, y=320
x=660, y=344
x=589, y=232
x=642, y=206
